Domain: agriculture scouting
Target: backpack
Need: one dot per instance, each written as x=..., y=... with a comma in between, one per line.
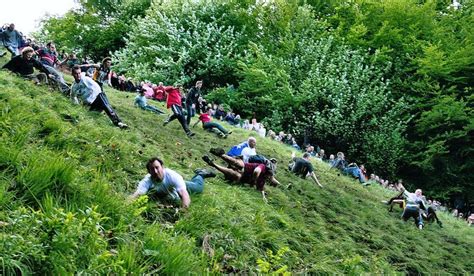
x=270, y=165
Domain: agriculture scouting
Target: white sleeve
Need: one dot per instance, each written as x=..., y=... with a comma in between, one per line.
x=177, y=180
x=144, y=185
x=246, y=154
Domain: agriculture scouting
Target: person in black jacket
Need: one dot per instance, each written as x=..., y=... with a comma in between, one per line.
x=192, y=99
x=24, y=65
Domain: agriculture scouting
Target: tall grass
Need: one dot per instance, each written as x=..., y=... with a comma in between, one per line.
x=66, y=174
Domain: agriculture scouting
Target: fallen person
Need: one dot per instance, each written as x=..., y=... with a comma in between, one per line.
x=91, y=94
x=140, y=101
x=245, y=149
x=254, y=174
x=302, y=167
x=170, y=185
x=207, y=124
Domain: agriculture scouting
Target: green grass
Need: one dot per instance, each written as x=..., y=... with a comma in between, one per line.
x=67, y=172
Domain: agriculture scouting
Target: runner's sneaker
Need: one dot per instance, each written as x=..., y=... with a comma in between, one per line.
x=207, y=159
x=217, y=151
x=122, y=125
x=205, y=173
x=190, y=134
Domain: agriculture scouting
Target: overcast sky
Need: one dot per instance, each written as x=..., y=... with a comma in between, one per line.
x=27, y=13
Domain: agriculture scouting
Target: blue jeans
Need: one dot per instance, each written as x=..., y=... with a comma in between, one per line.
x=190, y=113
x=13, y=50
x=153, y=109
x=211, y=125
x=355, y=171
x=196, y=185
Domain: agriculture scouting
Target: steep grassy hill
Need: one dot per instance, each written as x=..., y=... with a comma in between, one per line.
x=66, y=174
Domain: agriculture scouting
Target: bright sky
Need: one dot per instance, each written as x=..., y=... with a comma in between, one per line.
x=26, y=14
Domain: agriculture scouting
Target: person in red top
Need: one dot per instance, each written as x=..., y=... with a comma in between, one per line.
x=254, y=174
x=206, y=119
x=173, y=101
x=159, y=91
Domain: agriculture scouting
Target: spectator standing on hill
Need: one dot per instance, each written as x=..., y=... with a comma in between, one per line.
x=207, y=124
x=159, y=92
x=91, y=94
x=24, y=65
x=302, y=167
x=141, y=101
x=173, y=101
x=170, y=185
x=192, y=101
x=11, y=39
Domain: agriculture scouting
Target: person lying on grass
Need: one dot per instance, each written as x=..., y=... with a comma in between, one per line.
x=302, y=167
x=255, y=174
x=140, y=101
x=170, y=185
x=245, y=149
x=207, y=124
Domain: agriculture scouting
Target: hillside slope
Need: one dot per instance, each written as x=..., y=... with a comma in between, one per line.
x=67, y=172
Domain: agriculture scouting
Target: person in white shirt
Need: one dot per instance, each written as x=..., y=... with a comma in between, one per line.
x=91, y=94
x=169, y=184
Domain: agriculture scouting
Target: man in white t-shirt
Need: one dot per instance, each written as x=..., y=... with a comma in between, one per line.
x=250, y=150
x=170, y=184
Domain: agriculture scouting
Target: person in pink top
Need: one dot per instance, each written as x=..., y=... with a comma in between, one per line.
x=207, y=124
x=149, y=93
x=173, y=101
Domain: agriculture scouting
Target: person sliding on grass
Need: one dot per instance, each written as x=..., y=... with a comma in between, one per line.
x=302, y=167
x=207, y=124
x=24, y=65
x=91, y=94
x=245, y=149
x=140, y=101
x=254, y=174
x=173, y=101
x=170, y=185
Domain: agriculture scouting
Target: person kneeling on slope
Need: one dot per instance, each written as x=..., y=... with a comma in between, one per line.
x=303, y=167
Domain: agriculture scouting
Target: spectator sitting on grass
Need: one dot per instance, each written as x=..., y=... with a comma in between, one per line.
x=207, y=124
x=24, y=65
x=331, y=160
x=159, y=92
x=141, y=101
x=303, y=167
x=220, y=113
x=169, y=185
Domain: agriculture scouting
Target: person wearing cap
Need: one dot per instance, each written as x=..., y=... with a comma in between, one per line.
x=173, y=102
x=91, y=94
x=141, y=101
x=302, y=167
x=25, y=64
x=170, y=185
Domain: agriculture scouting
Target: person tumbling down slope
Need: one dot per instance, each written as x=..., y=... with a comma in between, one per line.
x=24, y=65
x=254, y=174
x=91, y=94
x=245, y=149
x=303, y=167
x=170, y=185
x=207, y=124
